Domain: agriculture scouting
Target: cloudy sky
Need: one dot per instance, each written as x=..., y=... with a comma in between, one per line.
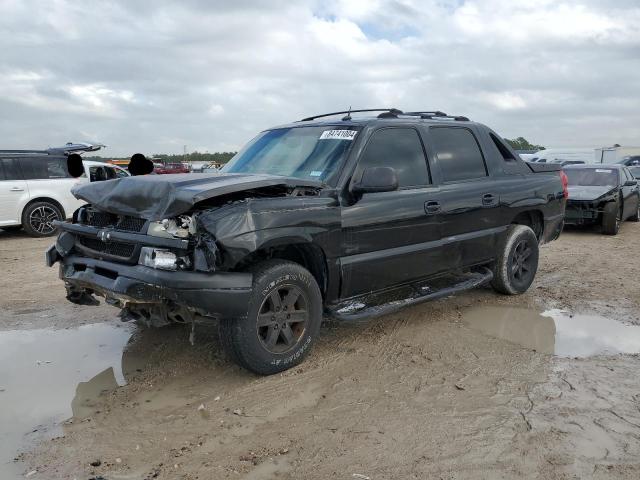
x=154, y=76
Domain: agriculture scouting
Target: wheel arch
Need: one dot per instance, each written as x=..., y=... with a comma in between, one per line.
x=306, y=254
x=533, y=219
x=44, y=199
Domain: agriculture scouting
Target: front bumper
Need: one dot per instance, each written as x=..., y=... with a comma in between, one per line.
x=582, y=213
x=220, y=294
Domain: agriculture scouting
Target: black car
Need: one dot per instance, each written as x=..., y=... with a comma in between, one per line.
x=630, y=161
x=334, y=214
x=602, y=194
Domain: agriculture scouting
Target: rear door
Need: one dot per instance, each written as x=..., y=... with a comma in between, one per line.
x=469, y=199
x=14, y=193
x=388, y=238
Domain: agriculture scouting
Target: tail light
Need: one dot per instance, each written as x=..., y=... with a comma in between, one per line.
x=565, y=184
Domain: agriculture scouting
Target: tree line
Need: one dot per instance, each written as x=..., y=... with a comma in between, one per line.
x=522, y=143
x=215, y=157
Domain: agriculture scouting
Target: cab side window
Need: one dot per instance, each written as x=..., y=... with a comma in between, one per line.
x=401, y=149
x=111, y=173
x=458, y=154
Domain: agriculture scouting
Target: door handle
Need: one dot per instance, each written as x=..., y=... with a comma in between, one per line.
x=16, y=189
x=432, y=207
x=488, y=199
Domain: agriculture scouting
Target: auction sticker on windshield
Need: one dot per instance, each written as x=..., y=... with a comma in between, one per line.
x=599, y=170
x=338, y=135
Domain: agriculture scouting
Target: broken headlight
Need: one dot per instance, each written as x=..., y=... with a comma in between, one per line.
x=158, y=258
x=178, y=227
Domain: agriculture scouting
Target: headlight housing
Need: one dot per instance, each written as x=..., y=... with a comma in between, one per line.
x=158, y=258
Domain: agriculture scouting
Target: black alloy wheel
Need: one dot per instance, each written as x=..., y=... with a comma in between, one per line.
x=282, y=319
x=523, y=266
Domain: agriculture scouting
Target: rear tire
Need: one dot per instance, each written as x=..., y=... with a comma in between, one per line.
x=517, y=261
x=611, y=218
x=283, y=320
x=37, y=219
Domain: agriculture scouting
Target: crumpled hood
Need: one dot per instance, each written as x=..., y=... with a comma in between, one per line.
x=155, y=197
x=578, y=192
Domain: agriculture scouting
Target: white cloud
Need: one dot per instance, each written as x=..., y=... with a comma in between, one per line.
x=505, y=100
x=99, y=98
x=154, y=77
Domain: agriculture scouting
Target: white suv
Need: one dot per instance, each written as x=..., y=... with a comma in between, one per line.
x=35, y=189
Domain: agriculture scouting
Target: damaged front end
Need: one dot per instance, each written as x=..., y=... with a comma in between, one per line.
x=157, y=272
x=167, y=248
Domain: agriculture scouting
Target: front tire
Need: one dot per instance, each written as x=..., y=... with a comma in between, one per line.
x=517, y=261
x=283, y=320
x=38, y=217
x=611, y=218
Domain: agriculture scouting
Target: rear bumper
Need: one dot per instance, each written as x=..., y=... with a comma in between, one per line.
x=552, y=228
x=222, y=294
x=582, y=213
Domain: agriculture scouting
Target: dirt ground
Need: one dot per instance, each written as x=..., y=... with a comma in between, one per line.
x=417, y=394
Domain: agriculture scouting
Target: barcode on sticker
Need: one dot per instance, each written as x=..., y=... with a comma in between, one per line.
x=338, y=135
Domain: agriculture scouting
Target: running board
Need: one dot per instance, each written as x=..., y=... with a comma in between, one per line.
x=371, y=306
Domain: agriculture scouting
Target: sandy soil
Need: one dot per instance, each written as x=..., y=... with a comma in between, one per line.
x=416, y=394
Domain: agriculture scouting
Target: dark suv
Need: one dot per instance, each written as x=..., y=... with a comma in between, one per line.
x=334, y=214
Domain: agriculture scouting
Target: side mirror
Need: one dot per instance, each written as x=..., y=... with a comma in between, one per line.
x=376, y=179
x=630, y=183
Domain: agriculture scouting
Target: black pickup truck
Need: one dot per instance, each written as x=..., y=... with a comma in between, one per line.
x=349, y=215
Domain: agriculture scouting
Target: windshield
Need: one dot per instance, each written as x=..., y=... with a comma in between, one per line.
x=311, y=153
x=585, y=177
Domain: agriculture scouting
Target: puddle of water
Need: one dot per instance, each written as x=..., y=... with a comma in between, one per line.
x=47, y=376
x=556, y=331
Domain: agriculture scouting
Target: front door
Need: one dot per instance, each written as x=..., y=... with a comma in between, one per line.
x=388, y=238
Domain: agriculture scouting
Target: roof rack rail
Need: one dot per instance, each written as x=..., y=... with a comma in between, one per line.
x=21, y=152
x=394, y=111
x=437, y=114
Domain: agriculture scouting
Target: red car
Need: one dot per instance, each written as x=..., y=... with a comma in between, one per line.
x=160, y=168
